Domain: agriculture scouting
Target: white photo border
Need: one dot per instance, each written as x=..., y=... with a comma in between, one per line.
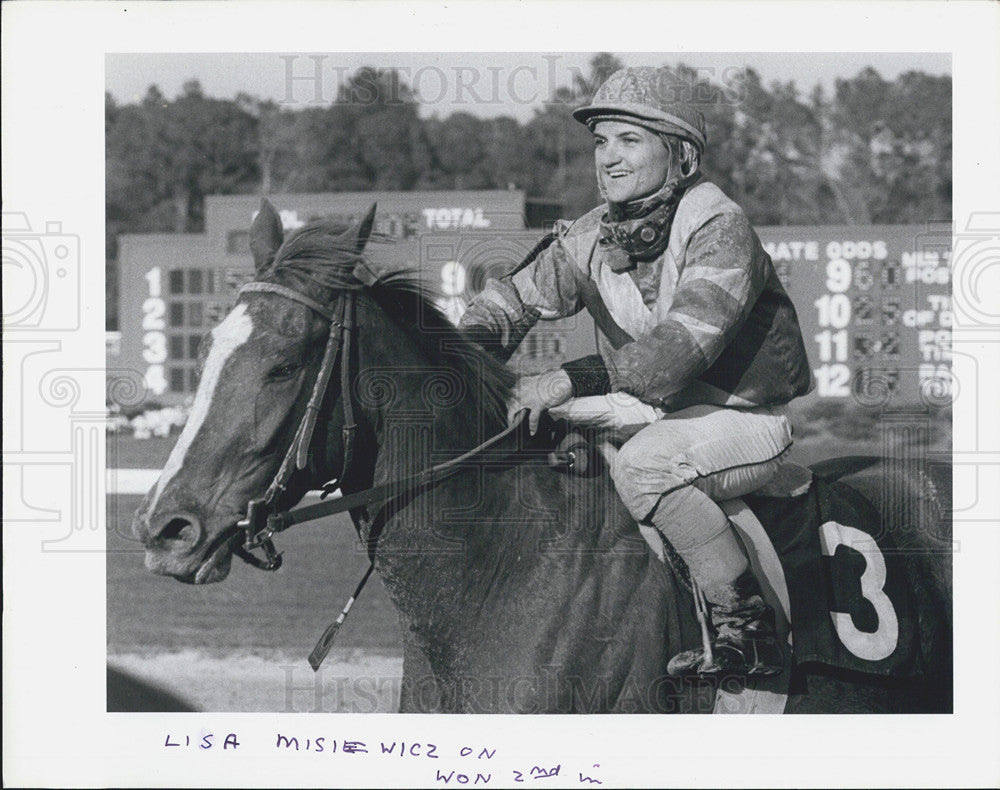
x=56, y=730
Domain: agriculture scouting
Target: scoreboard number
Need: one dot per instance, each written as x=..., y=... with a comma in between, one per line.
x=153, y=277
x=154, y=348
x=838, y=276
x=155, y=380
x=832, y=345
x=152, y=314
x=154, y=341
x=834, y=310
x=453, y=280
x=833, y=381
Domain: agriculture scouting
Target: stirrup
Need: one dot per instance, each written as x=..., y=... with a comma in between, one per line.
x=750, y=655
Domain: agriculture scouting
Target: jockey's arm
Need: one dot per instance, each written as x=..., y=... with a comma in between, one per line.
x=499, y=317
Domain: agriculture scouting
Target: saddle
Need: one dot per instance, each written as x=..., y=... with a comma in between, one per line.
x=838, y=586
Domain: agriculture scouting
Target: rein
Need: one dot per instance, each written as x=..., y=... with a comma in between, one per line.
x=263, y=519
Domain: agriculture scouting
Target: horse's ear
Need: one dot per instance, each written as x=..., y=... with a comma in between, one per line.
x=266, y=236
x=365, y=228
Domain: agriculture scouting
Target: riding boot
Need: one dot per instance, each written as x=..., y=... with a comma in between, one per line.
x=745, y=643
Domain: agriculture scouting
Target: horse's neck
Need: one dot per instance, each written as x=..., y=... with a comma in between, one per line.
x=494, y=533
x=423, y=548
x=413, y=438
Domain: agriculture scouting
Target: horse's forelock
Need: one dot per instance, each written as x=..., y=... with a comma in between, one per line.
x=321, y=251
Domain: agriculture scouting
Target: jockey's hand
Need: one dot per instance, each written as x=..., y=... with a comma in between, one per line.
x=538, y=393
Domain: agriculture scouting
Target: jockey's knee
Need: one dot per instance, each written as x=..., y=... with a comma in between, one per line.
x=739, y=480
x=641, y=478
x=718, y=461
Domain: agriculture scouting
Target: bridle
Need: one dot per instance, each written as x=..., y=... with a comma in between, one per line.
x=262, y=522
x=263, y=519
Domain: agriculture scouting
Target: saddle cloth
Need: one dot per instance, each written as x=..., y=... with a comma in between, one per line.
x=826, y=568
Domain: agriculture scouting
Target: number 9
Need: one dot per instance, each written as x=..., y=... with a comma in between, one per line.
x=838, y=275
x=453, y=278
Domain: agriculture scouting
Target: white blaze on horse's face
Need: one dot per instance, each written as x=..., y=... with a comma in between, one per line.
x=228, y=336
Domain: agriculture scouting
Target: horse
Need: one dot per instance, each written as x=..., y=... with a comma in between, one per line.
x=519, y=588
x=130, y=694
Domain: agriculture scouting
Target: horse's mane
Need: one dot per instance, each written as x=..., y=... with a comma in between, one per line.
x=410, y=304
x=322, y=254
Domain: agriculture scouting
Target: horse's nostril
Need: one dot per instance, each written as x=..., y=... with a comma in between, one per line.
x=181, y=529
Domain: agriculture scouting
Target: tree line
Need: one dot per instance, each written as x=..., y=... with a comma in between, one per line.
x=873, y=151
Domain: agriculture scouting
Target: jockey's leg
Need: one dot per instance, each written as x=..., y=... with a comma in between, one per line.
x=668, y=475
x=745, y=634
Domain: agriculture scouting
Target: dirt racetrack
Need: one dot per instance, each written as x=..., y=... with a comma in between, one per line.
x=353, y=681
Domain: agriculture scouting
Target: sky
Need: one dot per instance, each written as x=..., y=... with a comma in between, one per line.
x=483, y=84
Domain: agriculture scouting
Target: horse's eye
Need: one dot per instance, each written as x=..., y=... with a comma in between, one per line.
x=282, y=371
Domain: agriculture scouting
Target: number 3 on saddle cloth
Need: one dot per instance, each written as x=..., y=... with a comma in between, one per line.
x=848, y=591
x=822, y=556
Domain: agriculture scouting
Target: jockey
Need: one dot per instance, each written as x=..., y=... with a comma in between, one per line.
x=712, y=350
